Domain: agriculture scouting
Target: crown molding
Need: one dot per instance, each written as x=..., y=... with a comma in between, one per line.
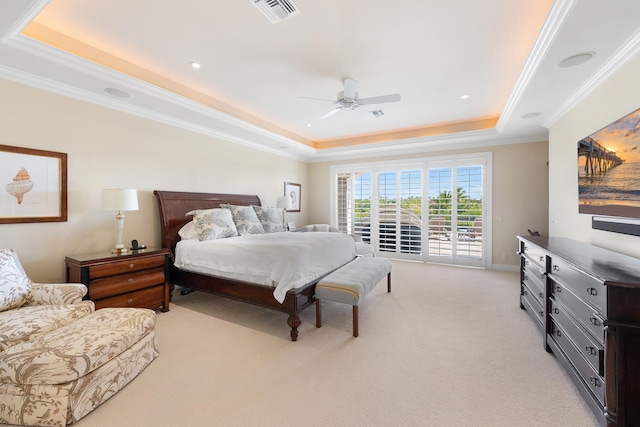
x=556, y=19
x=621, y=56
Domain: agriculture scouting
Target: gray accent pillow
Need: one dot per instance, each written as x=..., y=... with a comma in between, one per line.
x=214, y=224
x=245, y=219
x=270, y=218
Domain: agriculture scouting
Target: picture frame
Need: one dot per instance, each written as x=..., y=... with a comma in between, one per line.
x=33, y=185
x=293, y=191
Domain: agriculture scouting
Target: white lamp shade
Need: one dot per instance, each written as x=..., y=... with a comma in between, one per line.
x=120, y=199
x=284, y=202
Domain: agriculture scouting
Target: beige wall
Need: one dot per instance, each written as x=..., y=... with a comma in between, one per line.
x=615, y=98
x=109, y=149
x=520, y=193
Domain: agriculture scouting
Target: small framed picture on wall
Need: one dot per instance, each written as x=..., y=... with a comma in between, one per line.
x=292, y=191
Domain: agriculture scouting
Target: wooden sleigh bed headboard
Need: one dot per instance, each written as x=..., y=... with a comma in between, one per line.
x=175, y=204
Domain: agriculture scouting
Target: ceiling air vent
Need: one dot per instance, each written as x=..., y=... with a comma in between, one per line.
x=276, y=10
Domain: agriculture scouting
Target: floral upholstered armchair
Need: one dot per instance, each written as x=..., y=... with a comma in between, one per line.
x=59, y=358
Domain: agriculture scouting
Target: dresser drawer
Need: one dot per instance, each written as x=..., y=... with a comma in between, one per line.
x=114, y=285
x=532, y=279
x=146, y=298
x=588, y=288
x=589, y=376
x=590, y=350
x=582, y=312
x=532, y=306
x=536, y=255
x=125, y=266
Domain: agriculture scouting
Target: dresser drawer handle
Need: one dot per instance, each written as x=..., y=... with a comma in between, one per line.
x=526, y=278
x=130, y=280
x=540, y=294
x=594, y=321
x=526, y=248
x=526, y=263
x=591, y=350
x=556, y=311
x=558, y=333
x=130, y=301
x=556, y=268
x=525, y=292
x=558, y=289
x=541, y=313
x=595, y=381
x=541, y=258
x=592, y=291
x=131, y=266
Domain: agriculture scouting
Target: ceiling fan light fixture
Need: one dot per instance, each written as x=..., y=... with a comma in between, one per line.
x=276, y=10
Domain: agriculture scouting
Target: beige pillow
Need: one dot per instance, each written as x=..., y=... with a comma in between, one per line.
x=15, y=285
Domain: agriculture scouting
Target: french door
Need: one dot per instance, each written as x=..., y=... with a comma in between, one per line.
x=432, y=210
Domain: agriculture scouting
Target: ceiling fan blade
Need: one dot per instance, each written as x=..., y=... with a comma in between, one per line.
x=331, y=113
x=317, y=99
x=350, y=87
x=379, y=99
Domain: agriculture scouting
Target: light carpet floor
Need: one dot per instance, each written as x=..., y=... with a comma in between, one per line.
x=449, y=346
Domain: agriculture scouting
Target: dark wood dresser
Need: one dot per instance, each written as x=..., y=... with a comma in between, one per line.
x=586, y=302
x=131, y=279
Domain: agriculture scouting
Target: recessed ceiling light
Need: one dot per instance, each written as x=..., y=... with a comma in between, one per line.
x=195, y=64
x=308, y=125
x=530, y=115
x=117, y=92
x=465, y=96
x=577, y=59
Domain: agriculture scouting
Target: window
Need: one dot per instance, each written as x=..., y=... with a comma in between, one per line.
x=383, y=203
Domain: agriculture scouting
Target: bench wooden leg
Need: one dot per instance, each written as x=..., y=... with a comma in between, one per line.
x=389, y=282
x=318, y=314
x=355, y=320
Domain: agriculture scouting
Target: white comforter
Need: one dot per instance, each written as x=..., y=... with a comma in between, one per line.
x=282, y=260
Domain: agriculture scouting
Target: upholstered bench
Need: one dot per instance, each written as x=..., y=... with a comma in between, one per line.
x=351, y=284
x=60, y=376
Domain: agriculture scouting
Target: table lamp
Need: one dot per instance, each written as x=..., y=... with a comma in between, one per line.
x=119, y=199
x=284, y=203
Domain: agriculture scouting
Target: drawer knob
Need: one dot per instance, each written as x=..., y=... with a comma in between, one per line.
x=592, y=291
x=541, y=295
x=130, y=301
x=558, y=333
x=556, y=268
x=556, y=311
x=526, y=278
x=595, y=381
x=591, y=350
x=594, y=321
x=130, y=280
x=131, y=266
x=541, y=313
x=525, y=292
x=558, y=289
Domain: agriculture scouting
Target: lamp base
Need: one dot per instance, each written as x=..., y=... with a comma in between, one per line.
x=119, y=249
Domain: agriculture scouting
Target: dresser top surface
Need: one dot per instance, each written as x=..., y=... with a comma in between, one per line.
x=608, y=266
x=108, y=256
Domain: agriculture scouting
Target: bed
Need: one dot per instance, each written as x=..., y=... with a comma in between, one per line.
x=295, y=296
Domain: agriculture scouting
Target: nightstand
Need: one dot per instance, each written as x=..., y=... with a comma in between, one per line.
x=133, y=279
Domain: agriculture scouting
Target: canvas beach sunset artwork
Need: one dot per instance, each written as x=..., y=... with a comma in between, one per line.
x=609, y=169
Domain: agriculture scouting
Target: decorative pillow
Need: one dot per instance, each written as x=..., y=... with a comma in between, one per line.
x=189, y=231
x=245, y=219
x=214, y=224
x=15, y=285
x=270, y=218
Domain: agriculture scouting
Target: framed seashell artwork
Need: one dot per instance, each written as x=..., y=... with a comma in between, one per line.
x=33, y=185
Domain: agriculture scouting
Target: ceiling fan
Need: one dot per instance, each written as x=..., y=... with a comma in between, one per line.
x=348, y=99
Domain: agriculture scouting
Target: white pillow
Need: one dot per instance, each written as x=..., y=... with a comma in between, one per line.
x=189, y=231
x=15, y=285
x=214, y=224
x=270, y=218
x=245, y=219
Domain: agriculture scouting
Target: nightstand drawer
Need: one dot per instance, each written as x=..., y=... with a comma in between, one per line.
x=110, y=286
x=125, y=266
x=145, y=298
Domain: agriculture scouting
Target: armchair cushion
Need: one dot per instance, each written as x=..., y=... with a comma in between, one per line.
x=55, y=293
x=15, y=285
x=27, y=323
